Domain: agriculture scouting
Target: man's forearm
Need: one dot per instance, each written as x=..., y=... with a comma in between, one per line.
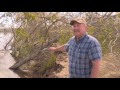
x=95, y=69
x=94, y=72
x=60, y=48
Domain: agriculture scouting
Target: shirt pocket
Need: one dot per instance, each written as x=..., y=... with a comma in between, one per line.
x=81, y=53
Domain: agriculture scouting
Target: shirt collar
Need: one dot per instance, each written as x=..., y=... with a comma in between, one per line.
x=81, y=37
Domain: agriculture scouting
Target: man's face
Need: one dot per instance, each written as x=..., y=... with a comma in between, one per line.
x=78, y=29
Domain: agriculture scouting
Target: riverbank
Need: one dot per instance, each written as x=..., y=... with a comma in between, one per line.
x=6, y=61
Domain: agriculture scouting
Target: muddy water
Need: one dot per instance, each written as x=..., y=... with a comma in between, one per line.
x=6, y=60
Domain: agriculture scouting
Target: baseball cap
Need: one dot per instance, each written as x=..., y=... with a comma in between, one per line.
x=79, y=20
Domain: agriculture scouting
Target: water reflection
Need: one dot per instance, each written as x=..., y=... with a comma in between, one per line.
x=6, y=60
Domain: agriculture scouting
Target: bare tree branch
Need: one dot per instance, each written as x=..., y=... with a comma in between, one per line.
x=33, y=56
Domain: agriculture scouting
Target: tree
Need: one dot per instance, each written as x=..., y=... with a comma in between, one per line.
x=34, y=31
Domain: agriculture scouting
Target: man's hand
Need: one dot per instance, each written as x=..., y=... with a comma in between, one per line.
x=60, y=48
x=52, y=49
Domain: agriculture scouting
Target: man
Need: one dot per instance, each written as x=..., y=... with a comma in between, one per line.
x=84, y=51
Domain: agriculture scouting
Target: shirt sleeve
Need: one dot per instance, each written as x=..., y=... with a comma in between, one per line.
x=95, y=51
x=67, y=46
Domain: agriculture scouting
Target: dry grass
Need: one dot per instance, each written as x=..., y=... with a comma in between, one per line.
x=110, y=67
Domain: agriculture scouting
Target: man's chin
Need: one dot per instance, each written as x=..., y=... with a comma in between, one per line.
x=76, y=34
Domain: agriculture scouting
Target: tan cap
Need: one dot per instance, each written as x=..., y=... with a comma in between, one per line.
x=79, y=20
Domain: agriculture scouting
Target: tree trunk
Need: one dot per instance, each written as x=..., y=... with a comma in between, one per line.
x=34, y=54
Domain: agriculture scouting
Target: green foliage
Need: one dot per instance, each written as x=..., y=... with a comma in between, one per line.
x=91, y=30
x=30, y=16
x=65, y=36
x=49, y=63
x=104, y=31
x=22, y=32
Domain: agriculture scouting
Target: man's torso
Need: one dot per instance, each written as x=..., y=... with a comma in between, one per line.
x=79, y=62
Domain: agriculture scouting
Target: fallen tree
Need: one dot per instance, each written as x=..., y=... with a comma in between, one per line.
x=36, y=52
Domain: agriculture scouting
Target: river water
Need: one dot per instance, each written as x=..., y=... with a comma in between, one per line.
x=6, y=60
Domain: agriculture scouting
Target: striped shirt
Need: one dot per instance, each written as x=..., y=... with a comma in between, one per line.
x=81, y=53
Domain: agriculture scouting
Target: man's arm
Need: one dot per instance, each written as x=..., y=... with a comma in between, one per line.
x=60, y=48
x=95, y=68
